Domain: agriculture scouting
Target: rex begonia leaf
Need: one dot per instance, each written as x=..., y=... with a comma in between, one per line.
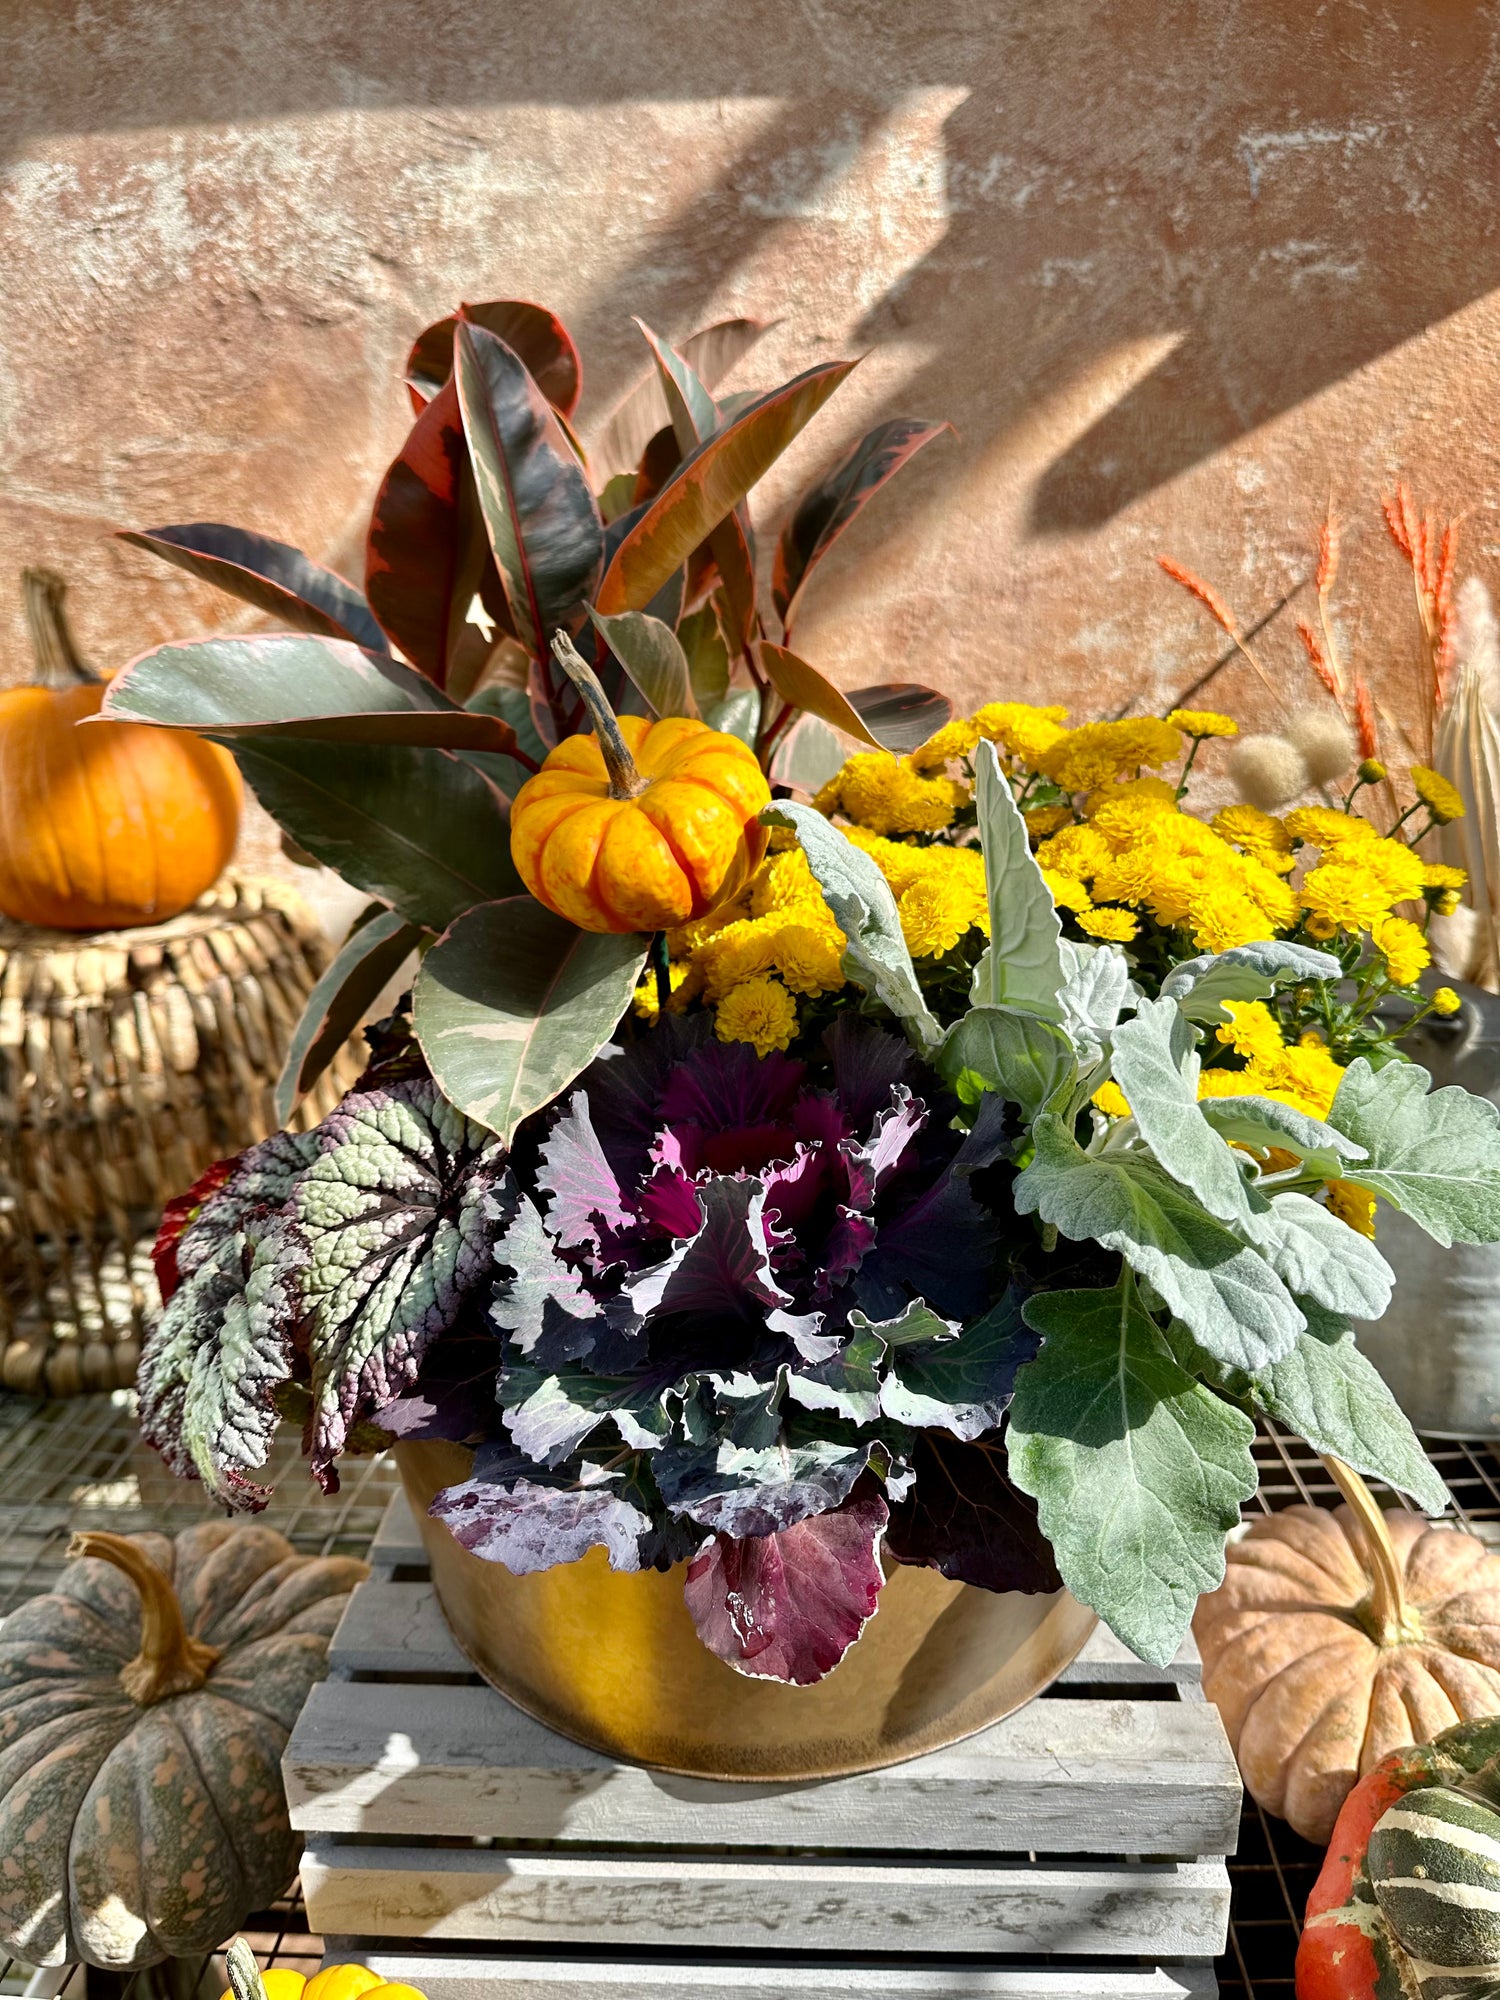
x=788, y=1606
x=389, y=1232
x=1022, y=964
x=1244, y=972
x=1155, y=1063
x=876, y=956
x=1137, y=1470
x=964, y=1517
x=453, y=1397
x=527, y=1518
x=940, y=1247
x=1266, y=1122
x=1315, y=1253
x=1017, y=1054
x=961, y=1384
x=210, y=1367
x=747, y=1467
x=1329, y=1393
x=1233, y=1302
x=1437, y=1158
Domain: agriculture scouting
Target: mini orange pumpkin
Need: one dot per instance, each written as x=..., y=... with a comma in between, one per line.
x=107, y=826
x=1339, y=1636
x=642, y=826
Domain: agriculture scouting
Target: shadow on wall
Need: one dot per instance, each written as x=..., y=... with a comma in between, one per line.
x=1281, y=195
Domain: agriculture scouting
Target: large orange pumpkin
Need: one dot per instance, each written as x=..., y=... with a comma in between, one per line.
x=109, y=825
x=641, y=826
x=1339, y=1636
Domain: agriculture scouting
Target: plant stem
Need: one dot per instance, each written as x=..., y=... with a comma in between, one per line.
x=59, y=663
x=625, y=781
x=661, y=965
x=170, y=1660
x=1391, y=1619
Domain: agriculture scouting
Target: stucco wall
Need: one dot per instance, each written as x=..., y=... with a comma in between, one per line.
x=1173, y=270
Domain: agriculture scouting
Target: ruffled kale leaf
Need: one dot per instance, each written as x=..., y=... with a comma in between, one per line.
x=965, y=1518
x=788, y=1606
x=387, y=1235
x=531, y=1517
x=215, y=1359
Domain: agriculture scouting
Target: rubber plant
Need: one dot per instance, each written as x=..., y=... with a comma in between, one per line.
x=966, y=1242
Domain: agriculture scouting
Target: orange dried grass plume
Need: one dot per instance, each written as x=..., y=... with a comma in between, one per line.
x=1365, y=725
x=1432, y=555
x=1216, y=608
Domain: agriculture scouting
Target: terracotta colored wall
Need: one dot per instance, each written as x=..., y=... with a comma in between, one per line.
x=1172, y=269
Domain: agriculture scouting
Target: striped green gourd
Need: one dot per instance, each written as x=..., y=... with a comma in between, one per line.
x=1434, y=1864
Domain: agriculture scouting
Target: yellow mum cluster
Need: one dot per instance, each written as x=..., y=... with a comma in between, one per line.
x=891, y=794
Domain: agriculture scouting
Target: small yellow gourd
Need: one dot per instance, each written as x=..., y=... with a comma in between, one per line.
x=334, y=1982
x=641, y=826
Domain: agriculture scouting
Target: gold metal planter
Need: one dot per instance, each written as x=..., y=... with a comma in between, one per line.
x=613, y=1660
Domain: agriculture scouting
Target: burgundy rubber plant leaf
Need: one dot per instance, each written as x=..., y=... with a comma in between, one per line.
x=272, y=576
x=788, y=1606
x=837, y=499
x=709, y=485
x=712, y=352
x=537, y=336
x=543, y=523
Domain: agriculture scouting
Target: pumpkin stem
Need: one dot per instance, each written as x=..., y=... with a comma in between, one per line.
x=245, y=1982
x=625, y=781
x=171, y=1660
x=59, y=664
x=1390, y=1618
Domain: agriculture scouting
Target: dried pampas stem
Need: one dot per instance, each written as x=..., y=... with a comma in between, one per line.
x=1466, y=750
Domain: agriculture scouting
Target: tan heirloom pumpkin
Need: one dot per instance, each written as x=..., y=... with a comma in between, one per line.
x=144, y=1707
x=1337, y=1637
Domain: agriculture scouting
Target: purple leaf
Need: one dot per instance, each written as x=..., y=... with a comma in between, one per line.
x=453, y=1397
x=964, y=1518
x=723, y=1270
x=789, y=1606
x=867, y=1065
x=941, y=1246
x=513, y=1512
x=584, y=1195
x=543, y=1305
x=747, y=1468
x=272, y=576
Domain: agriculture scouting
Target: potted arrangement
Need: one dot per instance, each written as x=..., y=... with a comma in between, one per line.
x=776, y=1220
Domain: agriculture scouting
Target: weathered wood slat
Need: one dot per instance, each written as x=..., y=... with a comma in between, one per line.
x=502, y=1978
x=1157, y=1910
x=1057, y=1777
x=394, y=1628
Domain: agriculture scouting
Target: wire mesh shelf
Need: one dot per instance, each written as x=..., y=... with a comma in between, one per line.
x=79, y=1464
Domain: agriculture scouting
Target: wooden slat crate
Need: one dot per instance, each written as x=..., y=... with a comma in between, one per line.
x=1074, y=1849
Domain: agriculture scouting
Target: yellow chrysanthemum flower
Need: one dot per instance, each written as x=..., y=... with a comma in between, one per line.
x=1393, y=865
x=688, y=938
x=1077, y=850
x=1403, y=948
x=1352, y=1205
x=1042, y=820
x=1067, y=893
x=1022, y=731
x=809, y=957
x=883, y=793
x=1118, y=926
x=760, y=1012
x=1111, y=1100
x=1258, y=834
x=1342, y=896
x=1203, y=722
x=1223, y=916
x=686, y=984
x=741, y=951
x=1322, y=827
x=1096, y=753
x=947, y=745
x=1438, y=875
x=1446, y=901
x=783, y=882
x=1133, y=788
x=1441, y=799
x=933, y=917
x=898, y=861
x=1120, y=814
x=1445, y=1001
x=1252, y=1031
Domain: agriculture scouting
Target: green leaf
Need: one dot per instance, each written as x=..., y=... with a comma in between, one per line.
x=875, y=954
x=512, y=705
x=279, y=684
x=702, y=641
x=709, y=484
x=1326, y=1391
x=418, y=829
x=958, y=1381
x=1234, y=1303
x=1137, y=1470
x=807, y=756
x=1436, y=1158
x=1155, y=1063
x=1022, y=966
x=650, y=654
x=738, y=714
x=1315, y=1253
x=1028, y=1060
x=1265, y=1122
x=370, y=955
x=1245, y=972
x=514, y=1002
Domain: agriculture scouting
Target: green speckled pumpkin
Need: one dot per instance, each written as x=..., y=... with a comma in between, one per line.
x=144, y=1707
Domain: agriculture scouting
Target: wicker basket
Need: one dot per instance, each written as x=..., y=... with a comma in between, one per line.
x=129, y=1062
